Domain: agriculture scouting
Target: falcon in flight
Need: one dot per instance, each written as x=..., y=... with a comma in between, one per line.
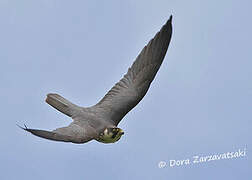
x=100, y=121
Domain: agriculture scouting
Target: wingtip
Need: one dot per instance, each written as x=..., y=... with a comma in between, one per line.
x=168, y=24
x=24, y=128
x=170, y=19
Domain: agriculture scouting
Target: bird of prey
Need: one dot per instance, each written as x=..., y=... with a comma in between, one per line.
x=99, y=122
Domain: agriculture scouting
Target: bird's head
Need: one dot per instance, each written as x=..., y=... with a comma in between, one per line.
x=110, y=135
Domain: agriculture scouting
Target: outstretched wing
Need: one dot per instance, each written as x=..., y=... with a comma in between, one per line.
x=72, y=133
x=129, y=91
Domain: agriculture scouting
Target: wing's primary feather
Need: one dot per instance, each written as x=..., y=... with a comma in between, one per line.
x=129, y=91
x=72, y=133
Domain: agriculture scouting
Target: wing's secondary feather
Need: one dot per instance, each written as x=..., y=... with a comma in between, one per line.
x=129, y=91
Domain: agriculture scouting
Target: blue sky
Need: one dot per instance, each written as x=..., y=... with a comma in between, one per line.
x=198, y=104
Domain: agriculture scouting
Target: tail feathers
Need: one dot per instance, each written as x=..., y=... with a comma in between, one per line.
x=61, y=104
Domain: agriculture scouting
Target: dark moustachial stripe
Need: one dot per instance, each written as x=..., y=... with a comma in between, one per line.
x=114, y=134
